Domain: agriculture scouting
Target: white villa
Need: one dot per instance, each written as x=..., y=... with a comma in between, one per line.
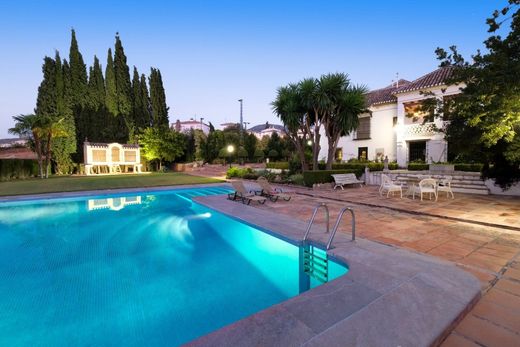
x=184, y=126
x=387, y=131
x=266, y=129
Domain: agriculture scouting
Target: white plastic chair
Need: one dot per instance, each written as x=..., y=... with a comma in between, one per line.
x=389, y=186
x=445, y=186
x=427, y=185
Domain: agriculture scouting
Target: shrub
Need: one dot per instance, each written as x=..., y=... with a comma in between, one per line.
x=325, y=176
x=282, y=165
x=246, y=173
x=273, y=154
x=17, y=169
x=219, y=161
x=296, y=179
x=469, y=167
x=259, y=154
x=418, y=166
x=357, y=165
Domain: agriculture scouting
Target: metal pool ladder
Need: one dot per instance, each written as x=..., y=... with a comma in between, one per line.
x=335, y=229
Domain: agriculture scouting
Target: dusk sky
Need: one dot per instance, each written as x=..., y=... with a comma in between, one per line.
x=212, y=53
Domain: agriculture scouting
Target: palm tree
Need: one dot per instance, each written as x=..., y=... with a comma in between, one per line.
x=343, y=117
x=41, y=130
x=25, y=124
x=288, y=106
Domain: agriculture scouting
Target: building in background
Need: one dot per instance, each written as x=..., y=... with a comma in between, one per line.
x=389, y=130
x=184, y=126
x=266, y=129
x=16, y=142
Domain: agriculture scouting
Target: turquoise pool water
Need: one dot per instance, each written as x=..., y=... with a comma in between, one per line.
x=147, y=269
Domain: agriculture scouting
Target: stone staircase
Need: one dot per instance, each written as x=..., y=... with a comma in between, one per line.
x=463, y=182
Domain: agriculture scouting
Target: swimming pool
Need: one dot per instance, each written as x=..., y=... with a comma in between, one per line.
x=150, y=268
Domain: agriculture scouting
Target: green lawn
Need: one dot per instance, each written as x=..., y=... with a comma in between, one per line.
x=79, y=183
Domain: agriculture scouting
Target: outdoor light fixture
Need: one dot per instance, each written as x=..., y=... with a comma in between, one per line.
x=230, y=150
x=309, y=143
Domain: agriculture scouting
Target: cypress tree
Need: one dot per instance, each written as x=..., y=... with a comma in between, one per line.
x=78, y=73
x=96, y=103
x=46, y=100
x=123, y=85
x=63, y=147
x=146, y=112
x=158, y=100
x=137, y=105
x=110, y=85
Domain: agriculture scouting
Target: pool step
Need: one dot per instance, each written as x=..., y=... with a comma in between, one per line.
x=315, y=265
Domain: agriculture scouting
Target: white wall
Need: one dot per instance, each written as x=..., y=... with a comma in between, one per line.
x=382, y=135
x=436, y=147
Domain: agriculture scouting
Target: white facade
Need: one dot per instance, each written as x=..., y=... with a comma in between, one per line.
x=395, y=135
x=382, y=138
x=186, y=126
x=408, y=131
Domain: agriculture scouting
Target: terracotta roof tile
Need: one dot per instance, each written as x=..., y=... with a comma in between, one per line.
x=384, y=95
x=432, y=79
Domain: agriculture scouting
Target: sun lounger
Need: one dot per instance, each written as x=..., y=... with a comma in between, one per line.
x=243, y=195
x=270, y=192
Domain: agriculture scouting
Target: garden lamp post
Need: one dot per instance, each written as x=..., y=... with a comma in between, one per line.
x=230, y=150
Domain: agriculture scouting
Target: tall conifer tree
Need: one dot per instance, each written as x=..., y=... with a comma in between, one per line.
x=96, y=103
x=145, y=97
x=123, y=91
x=63, y=147
x=158, y=100
x=78, y=73
x=110, y=85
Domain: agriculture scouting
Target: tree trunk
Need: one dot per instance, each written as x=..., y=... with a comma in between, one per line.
x=331, y=151
x=38, y=148
x=316, y=148
x=48, y=155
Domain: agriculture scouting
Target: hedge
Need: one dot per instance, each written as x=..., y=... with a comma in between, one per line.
x=17, y=169
x=372, y=166
x=325, y=176
x=282, y=165
x=418, y=166
x=469, y=167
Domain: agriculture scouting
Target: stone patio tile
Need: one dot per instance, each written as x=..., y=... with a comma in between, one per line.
x=501, y=298
x=410, y=327
x=513, y=273
x=506, y=253
x=499, y=315
x=481, y=239
x=484, y=261
x=275, y=327
x=487, y=333
x=484, y=277
x=330, y=306
x=455, y=340
x=452, y=250
x=511, y=287
x=422, y=245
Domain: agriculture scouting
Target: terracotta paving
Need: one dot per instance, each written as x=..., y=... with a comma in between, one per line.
x=492, y=254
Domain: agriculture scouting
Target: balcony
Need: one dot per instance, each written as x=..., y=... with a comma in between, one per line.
x=413, y=130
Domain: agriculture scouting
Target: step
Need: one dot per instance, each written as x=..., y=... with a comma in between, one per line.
x=479, y=191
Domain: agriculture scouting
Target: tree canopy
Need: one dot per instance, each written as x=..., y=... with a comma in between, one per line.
x=484, y=119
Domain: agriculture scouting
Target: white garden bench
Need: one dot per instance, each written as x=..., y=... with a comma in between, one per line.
x=345, y=179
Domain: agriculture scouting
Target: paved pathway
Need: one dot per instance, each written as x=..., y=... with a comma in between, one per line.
x=492, y=254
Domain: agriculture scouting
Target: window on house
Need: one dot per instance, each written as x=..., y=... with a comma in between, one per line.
x=394, y=121
x=338, y=155
x=362, y=153
x=363, y=130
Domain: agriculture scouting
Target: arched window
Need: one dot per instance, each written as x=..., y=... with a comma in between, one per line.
x=115, y=154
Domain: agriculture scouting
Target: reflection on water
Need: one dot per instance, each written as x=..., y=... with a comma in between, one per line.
x=114, y=204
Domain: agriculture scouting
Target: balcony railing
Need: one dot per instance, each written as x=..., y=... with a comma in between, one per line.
x=426, y=129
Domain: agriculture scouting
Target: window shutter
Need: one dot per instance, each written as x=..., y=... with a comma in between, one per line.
x=363, y=130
